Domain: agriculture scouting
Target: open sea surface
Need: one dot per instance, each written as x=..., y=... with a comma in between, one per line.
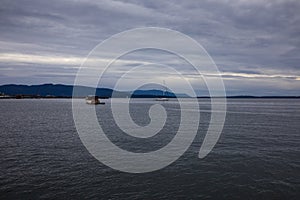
x=256, y=157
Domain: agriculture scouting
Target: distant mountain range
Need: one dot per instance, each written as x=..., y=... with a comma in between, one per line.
x=66, y=91
x=59, y=90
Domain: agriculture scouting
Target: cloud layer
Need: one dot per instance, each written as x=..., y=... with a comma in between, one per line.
x=256, y=44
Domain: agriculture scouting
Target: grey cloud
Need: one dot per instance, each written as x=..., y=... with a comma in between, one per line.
x=251, y=37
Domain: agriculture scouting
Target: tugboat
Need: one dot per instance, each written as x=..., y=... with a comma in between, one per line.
x=93, y=100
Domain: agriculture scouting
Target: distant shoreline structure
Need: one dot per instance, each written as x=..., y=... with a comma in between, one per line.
x=50, y=91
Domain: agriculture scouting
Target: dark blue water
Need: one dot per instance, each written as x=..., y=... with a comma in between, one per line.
x=257, y=156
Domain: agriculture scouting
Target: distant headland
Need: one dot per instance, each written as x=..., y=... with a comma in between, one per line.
x=66, y=91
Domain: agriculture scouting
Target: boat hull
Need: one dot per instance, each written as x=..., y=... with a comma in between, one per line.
x=93, y=100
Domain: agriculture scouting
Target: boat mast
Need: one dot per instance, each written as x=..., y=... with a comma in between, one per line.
x=165, y=88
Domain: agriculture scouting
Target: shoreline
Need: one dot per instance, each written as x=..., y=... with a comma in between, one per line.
x=142, y=97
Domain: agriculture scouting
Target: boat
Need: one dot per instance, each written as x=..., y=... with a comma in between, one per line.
x=93, y=100
x=163, y=97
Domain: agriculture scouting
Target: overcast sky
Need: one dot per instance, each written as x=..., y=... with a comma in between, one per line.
x=255, y=44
